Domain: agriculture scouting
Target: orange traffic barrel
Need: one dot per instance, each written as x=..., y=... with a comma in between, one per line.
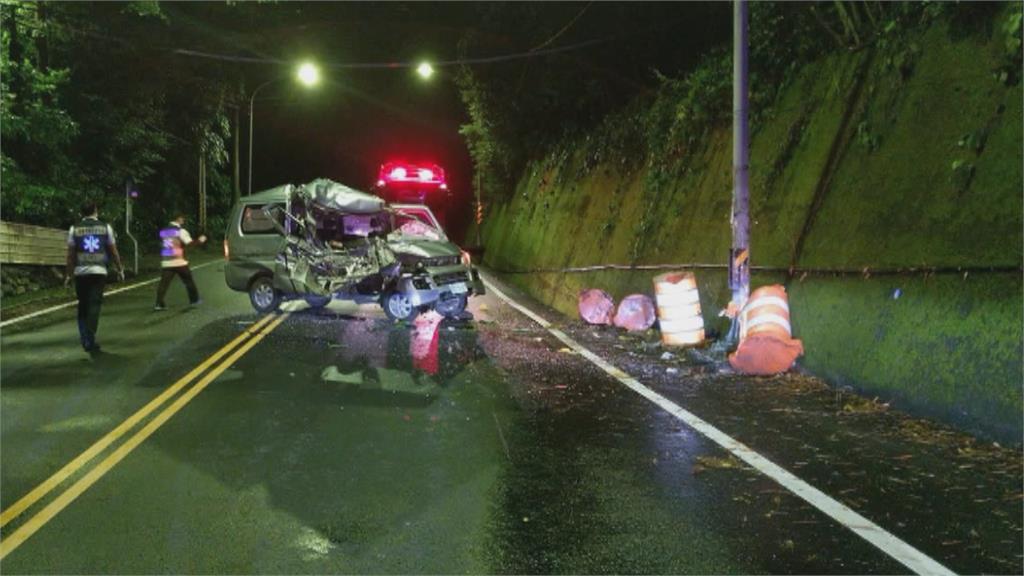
x=766, y=335
x=679, y=309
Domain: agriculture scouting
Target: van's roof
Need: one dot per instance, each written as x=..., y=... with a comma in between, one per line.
x=327, y=193
x=277, y=194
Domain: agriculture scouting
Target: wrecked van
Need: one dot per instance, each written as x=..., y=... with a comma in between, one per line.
x=329, y=241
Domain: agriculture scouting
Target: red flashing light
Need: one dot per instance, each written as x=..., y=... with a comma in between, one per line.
x=420, y=174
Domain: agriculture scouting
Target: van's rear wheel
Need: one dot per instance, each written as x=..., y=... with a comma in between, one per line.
x=263, y=296
x=398, y=306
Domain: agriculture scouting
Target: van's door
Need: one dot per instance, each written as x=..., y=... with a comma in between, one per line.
x=259, y=241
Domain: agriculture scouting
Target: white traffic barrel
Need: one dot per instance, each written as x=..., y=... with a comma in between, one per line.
x=679, y=309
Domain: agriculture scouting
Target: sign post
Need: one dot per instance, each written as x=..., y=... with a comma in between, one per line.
x=129, y=194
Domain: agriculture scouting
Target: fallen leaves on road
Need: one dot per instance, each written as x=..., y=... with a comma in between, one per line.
x=716, y=463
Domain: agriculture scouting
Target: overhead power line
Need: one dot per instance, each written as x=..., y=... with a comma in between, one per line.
x=563, y=30
x=384, y=65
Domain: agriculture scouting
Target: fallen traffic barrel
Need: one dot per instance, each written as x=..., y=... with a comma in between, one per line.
x=679, y=309
x=766, y=336
x=635, y=312
x=596, y=306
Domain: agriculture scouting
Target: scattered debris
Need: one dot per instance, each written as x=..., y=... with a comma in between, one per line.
x=860, y=405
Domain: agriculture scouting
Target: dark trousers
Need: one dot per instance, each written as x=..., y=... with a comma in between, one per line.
x=186, y=277
x=89, y=289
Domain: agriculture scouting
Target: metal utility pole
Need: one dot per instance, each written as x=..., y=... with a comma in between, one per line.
x=739, y=255
x=252, y=136
x=202, y=192
x=252, y=102
x=236, y=186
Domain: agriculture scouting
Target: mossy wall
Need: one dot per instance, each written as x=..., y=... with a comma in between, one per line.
x=907, y=155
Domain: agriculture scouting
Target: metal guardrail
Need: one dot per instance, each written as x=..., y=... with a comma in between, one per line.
x=27, y=244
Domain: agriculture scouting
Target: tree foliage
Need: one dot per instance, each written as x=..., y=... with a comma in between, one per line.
x=519, y=109
x=639, y=97
x=92, y=95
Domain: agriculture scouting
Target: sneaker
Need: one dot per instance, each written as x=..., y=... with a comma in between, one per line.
x=196, y=303
x=159, y=307
x=94, y=349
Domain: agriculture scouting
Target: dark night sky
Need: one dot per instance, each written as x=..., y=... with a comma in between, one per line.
x=359, y=118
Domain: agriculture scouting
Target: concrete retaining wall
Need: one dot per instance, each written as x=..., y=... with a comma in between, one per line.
x=865, y=162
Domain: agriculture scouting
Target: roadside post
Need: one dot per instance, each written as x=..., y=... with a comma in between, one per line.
x=479, y=210
x=130, y=193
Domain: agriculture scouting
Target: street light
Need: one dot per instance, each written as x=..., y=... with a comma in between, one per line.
x=307, y=74
x=425, y=70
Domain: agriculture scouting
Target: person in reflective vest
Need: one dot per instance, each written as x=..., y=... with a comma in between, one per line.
x=91, y=247
x=173, y=240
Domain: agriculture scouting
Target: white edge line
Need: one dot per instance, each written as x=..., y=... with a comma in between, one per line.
x=74, y=303
x=891, y=545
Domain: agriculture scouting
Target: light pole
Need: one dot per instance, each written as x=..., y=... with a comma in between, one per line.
x=739, y=255
x=307, y=74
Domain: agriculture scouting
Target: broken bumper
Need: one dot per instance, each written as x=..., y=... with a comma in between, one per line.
x=441, y=283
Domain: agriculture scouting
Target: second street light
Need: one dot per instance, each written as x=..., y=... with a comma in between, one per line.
x=307, y=74
x=425, y=70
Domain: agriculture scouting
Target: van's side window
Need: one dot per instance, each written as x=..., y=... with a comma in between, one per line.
x=255, y=221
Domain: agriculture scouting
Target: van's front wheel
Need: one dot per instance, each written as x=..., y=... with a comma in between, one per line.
x=317, y=302
x=398, y=306
x=263, y=296
x=452, y=307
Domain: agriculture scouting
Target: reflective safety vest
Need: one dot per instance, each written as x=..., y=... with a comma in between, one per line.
x=91, y=240
x=172, y=249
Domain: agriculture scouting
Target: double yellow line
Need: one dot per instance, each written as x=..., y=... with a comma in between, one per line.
x=250, y=337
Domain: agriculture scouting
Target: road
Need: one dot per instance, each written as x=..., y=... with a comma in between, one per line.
x=335, y=441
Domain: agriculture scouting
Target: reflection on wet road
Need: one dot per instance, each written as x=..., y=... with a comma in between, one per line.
x=346, y=443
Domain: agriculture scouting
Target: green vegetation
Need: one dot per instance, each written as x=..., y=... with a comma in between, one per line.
x=93, y=95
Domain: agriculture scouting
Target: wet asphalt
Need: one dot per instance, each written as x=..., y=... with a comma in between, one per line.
x=343, y=443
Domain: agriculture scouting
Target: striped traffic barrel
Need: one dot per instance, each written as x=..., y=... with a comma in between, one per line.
x=679, y=309
x=766, y=312
x=766, y=344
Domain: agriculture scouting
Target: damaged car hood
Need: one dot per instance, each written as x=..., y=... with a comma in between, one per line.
x=422, y=248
